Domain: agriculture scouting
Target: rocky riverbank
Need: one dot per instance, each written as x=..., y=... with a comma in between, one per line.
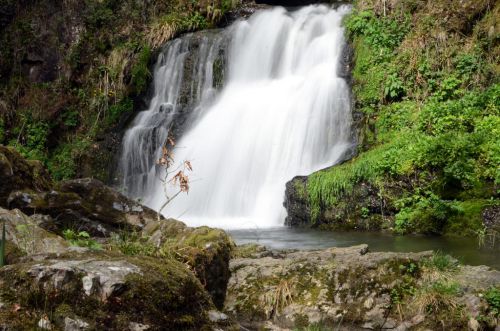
x=81, y=256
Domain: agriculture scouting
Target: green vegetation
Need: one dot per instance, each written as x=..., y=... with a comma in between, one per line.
x=492, y=296
x=60, y=113
x=81, y=239
x=438, y=297
x=430, y=96
x=133, y=243
x=140, y=77
x=441, y=262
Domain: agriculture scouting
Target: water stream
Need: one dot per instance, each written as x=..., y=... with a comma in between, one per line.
x=283, y=111
x=254, y=105
x=466, y=250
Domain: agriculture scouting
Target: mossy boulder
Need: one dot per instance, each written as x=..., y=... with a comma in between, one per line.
x=17, y=173
x=362, y=209
x=356, y=289
x=205, y=249
x=85, y=204
x=103, y=291
x=89, y=205
x=25, y=237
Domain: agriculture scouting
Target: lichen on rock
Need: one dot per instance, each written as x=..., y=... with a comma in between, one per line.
x=354, y=288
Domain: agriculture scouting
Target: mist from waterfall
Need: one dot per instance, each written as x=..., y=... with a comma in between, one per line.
x=283, y=111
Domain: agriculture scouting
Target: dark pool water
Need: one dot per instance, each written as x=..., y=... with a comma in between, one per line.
x=466, y=250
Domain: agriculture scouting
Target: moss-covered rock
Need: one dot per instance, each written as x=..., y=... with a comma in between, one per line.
x=85, y=204
x=24, y=236
x=207, y=251
x=364, y=208
x=104, y=291
x=354, y=289
x=17, y=173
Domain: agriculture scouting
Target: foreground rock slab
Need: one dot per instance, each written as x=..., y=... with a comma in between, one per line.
x=354, y=289
x=103, y=291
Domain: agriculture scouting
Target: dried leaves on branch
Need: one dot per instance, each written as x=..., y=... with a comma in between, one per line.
x=175, y=176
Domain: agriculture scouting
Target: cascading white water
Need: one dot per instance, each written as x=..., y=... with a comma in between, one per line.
x=283, y=111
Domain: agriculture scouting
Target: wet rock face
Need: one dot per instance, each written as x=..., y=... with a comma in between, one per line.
x=54, y=29
x=297, y=202
x=491, y=217
x=361, y=209
x=352, y=288
x=17, y=173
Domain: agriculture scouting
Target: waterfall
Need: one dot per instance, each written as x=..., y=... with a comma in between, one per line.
x=283, y=110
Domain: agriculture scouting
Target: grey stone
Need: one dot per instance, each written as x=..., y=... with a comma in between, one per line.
x=217, y=317
x=368, y=304
x=75, y=324
x=100, y=277
x=132, y=326
x=44, y=324
x=473, y=324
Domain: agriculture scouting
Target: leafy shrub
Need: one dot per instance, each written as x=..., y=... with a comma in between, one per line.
x=71, y=118
x=449, y=88
x=467, y=64
x=492, y=296
x=31, y=137
x=394, y=88
x=117, y=110
x=384, y=33
x=140, y=71
x=396, y=117
x=62, y=163
x=424, y=213
x=81, y=239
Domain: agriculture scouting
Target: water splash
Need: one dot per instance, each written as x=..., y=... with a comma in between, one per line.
x=284, y=111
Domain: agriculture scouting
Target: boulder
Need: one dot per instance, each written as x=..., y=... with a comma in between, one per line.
x=297, y=202
x=361, y=209
x=205, y=249
x=85, y=204
x=89, y=205
x=17, y=173
x=104, y=291
x=352, y=288
x=25, y=237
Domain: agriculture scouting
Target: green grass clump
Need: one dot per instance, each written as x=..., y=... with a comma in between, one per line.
x=133, y=243
x=441, y=262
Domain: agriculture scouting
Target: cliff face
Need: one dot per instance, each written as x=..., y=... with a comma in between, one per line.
x=425, y=79
x=72, y=72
